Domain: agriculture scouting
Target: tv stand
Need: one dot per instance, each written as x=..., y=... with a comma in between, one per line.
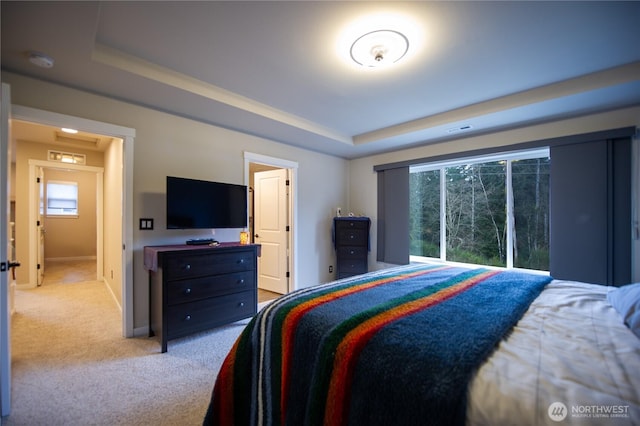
x=202, y=242
x=196, y=288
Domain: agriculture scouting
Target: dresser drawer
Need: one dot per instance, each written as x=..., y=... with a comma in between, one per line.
x=198, y=264
x=208, y=313
x=352, y=224
x=352, y=267
x=183, y=291
x=349, y=252
x=352, y=237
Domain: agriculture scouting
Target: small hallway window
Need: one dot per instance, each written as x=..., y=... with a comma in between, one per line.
x=62, y=198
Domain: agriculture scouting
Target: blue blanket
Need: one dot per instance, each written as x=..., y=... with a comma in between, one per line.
x=392, y=347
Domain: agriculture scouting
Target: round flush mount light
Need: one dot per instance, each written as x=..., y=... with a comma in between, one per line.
x=41, y=60
x=379, y=48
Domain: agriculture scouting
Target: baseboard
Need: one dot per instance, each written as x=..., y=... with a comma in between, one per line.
x=141, y=331
x=69, y=259
x=25, y=286
x=113, y=296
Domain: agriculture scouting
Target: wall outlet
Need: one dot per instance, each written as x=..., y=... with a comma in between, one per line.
x=330, y=269
x=339, y=212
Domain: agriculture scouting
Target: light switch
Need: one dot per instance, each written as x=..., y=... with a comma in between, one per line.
x=146, y=224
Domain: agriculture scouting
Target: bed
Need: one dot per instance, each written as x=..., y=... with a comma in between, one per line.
x=437, y=344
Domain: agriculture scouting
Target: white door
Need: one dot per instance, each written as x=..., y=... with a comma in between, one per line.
x=271, y=221
x=5, y=315
x=40, y=224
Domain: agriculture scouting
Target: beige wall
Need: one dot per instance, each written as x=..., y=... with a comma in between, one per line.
x=72, y=236
x=25, y=151
x=112, y=208
x=170, y=145
x=363, y=180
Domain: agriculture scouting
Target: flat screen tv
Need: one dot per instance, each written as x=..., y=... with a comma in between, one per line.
x=199, y=204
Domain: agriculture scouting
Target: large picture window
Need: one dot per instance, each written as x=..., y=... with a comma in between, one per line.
x=491, y=210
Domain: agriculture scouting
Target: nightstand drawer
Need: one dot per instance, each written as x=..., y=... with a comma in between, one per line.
x=208, y=313
x=197, y=265
x=183, y=291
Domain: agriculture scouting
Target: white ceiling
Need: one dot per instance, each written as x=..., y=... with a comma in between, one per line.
x=272, y=69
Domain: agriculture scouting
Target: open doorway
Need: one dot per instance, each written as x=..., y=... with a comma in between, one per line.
x=272, y=219
x=114, y=264
x=68, y=240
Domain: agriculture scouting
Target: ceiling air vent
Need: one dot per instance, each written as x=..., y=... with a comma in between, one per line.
x=76, y=139
x=464, y=128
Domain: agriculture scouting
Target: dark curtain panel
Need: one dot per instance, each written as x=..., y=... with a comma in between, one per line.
x=393, y=216
x=590, y=217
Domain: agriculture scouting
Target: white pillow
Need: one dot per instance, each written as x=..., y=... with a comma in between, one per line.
x=626, y=300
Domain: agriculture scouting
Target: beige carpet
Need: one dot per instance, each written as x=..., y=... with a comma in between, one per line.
x=72, y=367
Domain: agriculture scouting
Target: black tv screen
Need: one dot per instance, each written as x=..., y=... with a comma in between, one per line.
x=199, y=204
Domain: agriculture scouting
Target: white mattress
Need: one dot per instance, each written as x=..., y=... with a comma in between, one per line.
x=571, y=347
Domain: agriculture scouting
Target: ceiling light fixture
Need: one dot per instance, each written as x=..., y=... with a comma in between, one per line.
x=67, y=130
x=379, y=48
x=41, y=60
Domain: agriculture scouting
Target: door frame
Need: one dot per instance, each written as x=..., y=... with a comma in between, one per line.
x=292, y=167
x=262, y=205
x=127, y=134
x=5, y=315
x=33, y=213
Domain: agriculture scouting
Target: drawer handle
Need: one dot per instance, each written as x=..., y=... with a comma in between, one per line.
x=241, y=281
x=240, y=260
x=241, y=304
x=187, y=267
x=187, y=318
x=352, y=236
x=187, y=291
x=351, y=252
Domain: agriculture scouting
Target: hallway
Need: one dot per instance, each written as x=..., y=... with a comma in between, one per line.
x=69, y=271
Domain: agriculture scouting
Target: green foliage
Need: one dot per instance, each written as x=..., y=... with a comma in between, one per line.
x=476, y=214
x=424, y=248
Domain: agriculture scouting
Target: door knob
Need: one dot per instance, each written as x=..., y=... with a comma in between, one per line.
x=13, y=266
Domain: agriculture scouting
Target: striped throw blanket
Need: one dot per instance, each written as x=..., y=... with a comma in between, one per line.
x=397, y=347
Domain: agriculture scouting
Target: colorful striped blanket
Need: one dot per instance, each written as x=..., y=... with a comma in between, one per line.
x=397, y=347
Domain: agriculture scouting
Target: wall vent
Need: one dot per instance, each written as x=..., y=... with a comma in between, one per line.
x=76, y=139
x=464, y=128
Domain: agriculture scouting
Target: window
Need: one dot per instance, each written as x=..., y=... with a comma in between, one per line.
x=62, y=198
x=491, y=210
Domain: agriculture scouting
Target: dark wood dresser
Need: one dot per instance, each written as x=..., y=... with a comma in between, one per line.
x=351, y=238
x=195, y=288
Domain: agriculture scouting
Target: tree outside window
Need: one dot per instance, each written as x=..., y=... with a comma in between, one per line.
x=473, y=204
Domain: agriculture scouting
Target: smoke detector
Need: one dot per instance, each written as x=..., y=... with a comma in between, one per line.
x=41, y=60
